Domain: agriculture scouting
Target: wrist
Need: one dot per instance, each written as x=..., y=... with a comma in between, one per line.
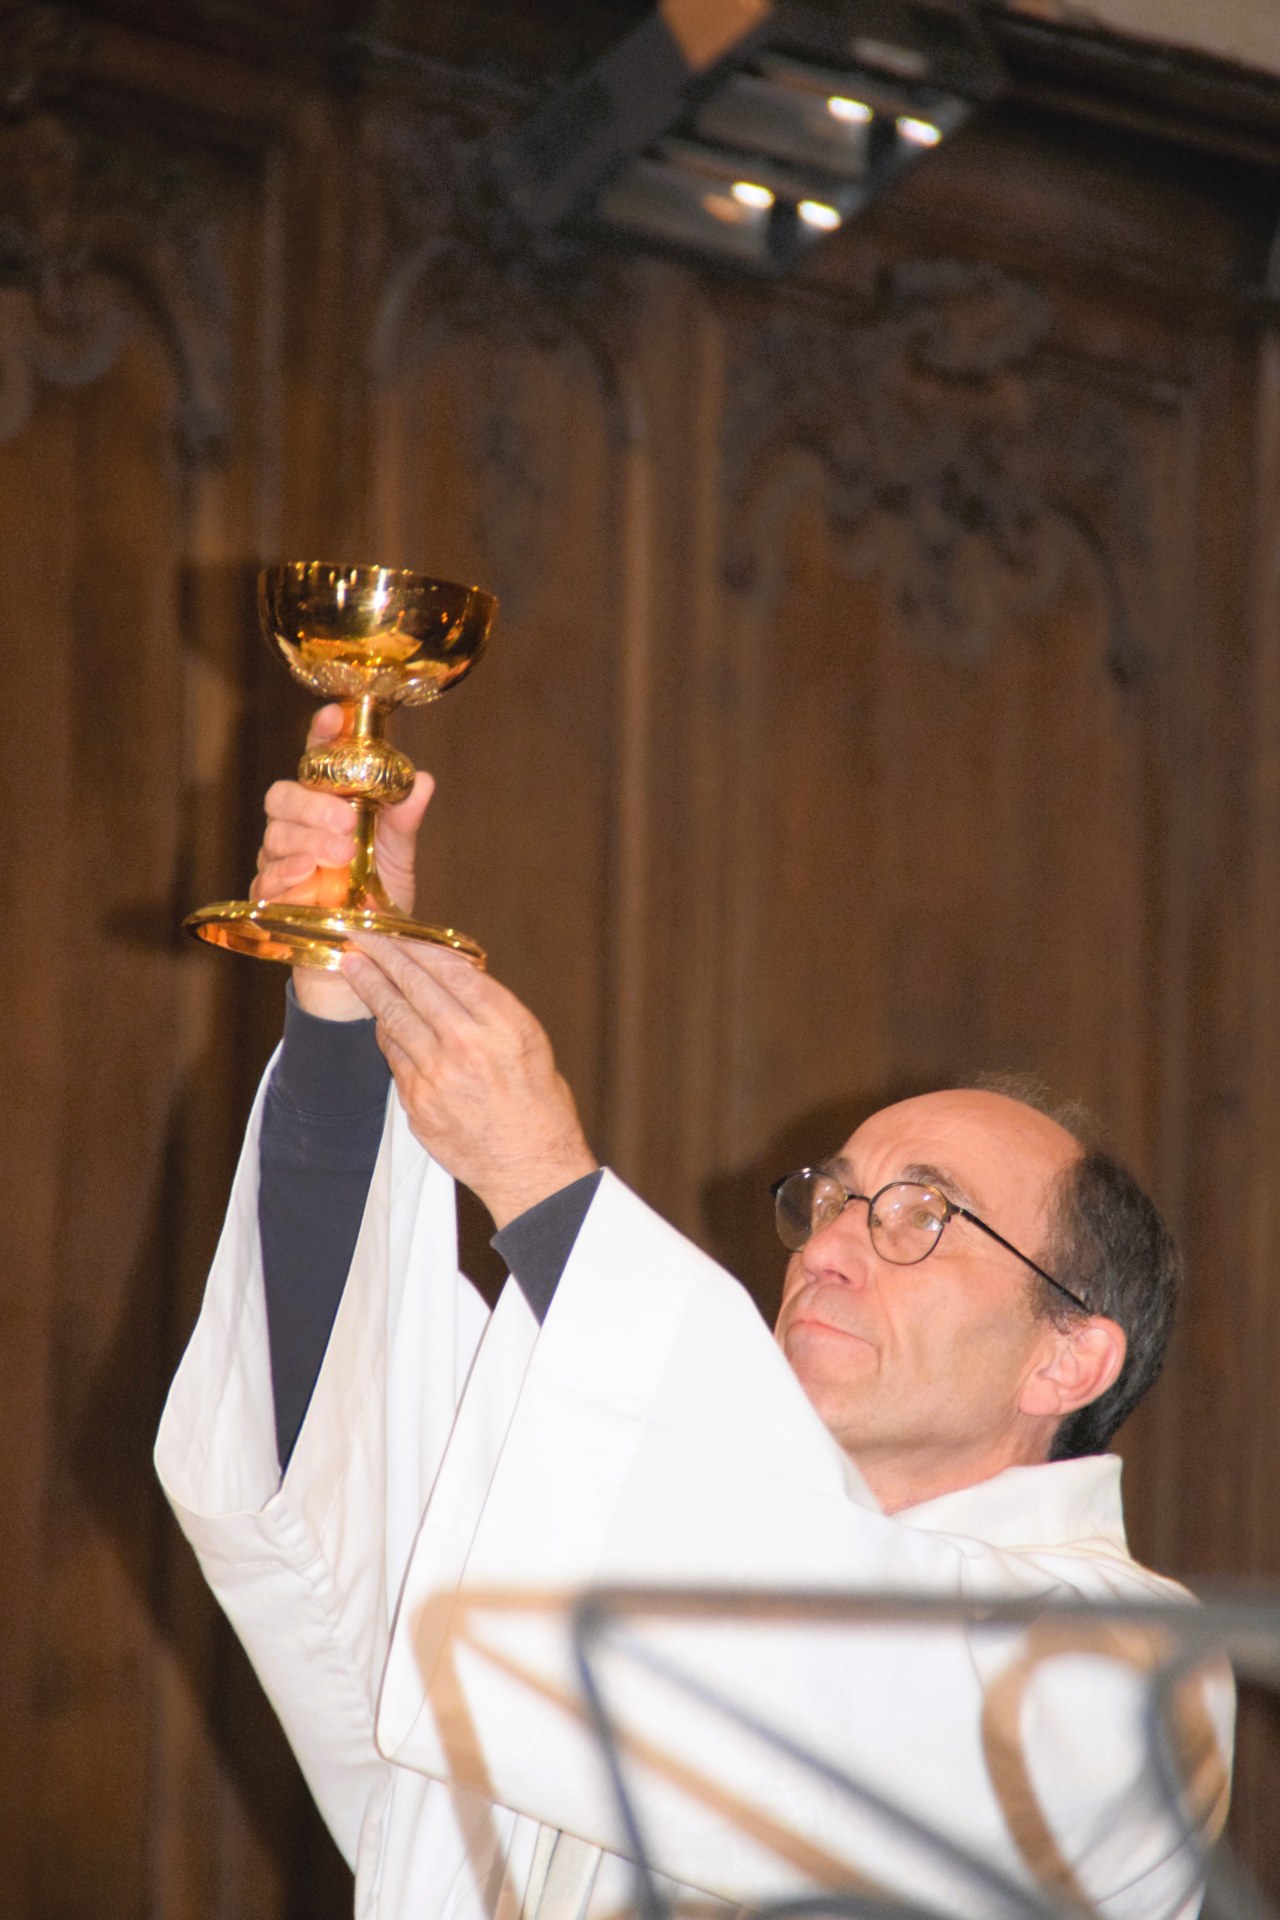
x=327, y=996
x=506, y=1199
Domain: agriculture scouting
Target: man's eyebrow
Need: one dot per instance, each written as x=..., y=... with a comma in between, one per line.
x=931, y=1176
x=922, y=1171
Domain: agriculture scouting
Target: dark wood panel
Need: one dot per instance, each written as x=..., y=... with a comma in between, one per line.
x=106, y=1156
x=503, y=473
x=34, y=477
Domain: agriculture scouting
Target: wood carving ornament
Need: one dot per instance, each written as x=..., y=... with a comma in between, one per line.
x=90, y=220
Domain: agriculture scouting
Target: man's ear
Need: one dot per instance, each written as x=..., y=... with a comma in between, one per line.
x=1076, y=1365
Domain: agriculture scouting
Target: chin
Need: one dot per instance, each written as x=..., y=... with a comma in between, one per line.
x=827, y=1384
x=819, y=1352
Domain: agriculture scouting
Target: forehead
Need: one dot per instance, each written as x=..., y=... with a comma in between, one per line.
x=1004, y=1156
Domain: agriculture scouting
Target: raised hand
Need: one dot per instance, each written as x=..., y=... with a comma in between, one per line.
x=474, y=1071
x=306, y=849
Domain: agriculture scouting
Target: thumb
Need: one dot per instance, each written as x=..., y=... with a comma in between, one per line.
x=326, y=723
x=406, y=817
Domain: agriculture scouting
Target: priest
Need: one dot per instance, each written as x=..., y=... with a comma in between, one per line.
x=397, y=1495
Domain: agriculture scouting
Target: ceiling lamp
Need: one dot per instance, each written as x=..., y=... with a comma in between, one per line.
x=748, y=130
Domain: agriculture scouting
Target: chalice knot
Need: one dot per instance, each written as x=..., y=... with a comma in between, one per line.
x=368, y=769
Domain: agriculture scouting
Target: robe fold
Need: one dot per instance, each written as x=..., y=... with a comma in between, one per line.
x=405, y=1592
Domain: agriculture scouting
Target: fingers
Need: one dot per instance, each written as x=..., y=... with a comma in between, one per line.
x=309, y=819
x=473, y=1070
x=429, y=1001
x=412, y=1001
x=301, y=838
x=302, y=880
x=441, y=984
x=310, y=807
x=305, y=830
x=414, y=1038
x=274, y=878
x=287, y=839
x=379, y=993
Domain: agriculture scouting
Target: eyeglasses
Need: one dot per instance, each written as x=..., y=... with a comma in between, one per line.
x=905, y=1219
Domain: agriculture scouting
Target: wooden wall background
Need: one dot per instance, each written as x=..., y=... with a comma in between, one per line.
x=888, y=686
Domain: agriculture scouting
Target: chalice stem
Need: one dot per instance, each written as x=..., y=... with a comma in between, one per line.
x=365, y=721
x=366, y=888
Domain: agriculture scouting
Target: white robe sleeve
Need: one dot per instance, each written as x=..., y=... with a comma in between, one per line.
x=659, y=1437
x=308, y=1567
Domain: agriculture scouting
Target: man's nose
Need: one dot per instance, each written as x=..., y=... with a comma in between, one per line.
x=843, y=1246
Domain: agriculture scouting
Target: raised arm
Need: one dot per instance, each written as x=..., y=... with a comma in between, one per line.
x=323, y=1113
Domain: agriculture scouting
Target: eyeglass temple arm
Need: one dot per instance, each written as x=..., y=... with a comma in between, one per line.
x=1009, y=1247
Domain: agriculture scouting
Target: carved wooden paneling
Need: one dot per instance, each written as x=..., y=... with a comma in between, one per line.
x=506, y=475
x=936, y=642
x=132, y=377
x=884, y=689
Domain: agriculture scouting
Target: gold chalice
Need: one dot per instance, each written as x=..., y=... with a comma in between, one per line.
x=372, y=638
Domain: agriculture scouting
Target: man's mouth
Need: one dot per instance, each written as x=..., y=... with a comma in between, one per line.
x=827, y=1309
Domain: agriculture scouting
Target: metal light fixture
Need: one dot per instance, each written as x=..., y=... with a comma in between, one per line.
x=748, y=130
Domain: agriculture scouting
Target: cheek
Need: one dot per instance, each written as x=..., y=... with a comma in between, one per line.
x=947, y=1336
x=984, y=1352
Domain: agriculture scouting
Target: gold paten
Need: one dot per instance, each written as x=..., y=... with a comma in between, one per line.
x=372, y=638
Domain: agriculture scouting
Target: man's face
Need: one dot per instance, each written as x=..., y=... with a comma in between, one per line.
x=919, y=1371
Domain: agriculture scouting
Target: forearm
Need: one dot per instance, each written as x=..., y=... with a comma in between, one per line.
x=322, y=1123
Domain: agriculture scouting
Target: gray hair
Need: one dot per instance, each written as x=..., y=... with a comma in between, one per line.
x=1107, y=1243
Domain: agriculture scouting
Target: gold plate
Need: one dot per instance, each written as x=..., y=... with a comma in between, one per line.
x=308, y=936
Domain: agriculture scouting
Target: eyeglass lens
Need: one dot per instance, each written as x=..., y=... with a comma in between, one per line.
x=904, y=1224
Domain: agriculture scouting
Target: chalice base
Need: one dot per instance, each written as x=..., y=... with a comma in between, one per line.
x=308, y=936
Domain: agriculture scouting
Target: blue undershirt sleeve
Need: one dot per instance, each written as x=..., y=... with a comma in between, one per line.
x=536, y=1245
x=321, y=1126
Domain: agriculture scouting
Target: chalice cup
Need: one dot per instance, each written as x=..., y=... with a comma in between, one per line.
x=372, y=638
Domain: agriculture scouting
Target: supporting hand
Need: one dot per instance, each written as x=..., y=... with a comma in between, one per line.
x=474, y=1071
x=308, y=845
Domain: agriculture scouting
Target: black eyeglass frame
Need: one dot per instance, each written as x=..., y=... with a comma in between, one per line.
x=951, y=1210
